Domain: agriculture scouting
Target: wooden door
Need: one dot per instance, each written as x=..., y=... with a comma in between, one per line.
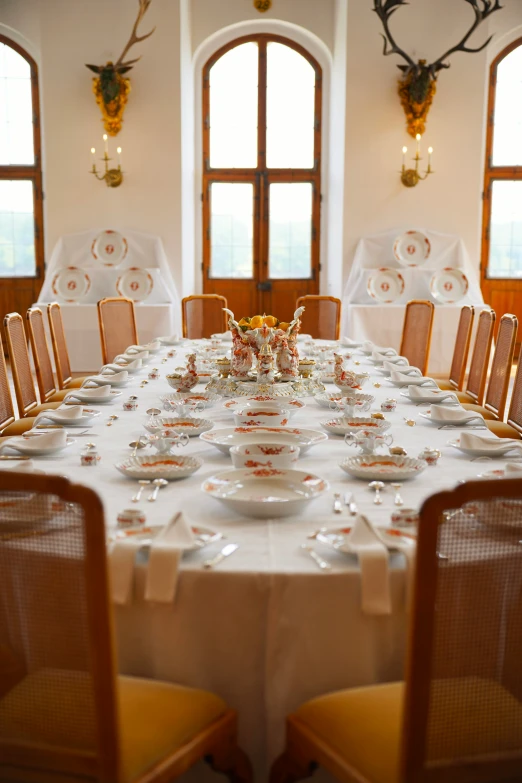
x=21, y=212
x=262, y=175
x=501, y=264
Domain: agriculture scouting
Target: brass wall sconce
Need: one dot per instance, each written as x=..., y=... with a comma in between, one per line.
x=411, y=177
x=113, y=177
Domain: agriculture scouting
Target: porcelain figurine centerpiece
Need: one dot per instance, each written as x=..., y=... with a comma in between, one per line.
x=184, y=380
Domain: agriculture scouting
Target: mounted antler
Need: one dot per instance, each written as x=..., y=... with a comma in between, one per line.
x=417, y=85
x=110, y=87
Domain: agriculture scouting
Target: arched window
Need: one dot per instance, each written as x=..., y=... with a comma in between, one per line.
x=21, y=229
x=502, y=232
x=262, y=174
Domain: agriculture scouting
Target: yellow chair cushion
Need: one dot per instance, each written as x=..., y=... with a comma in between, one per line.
x=46, y=406
x=503, y=430
x=75, y=383
x=465, y=397
x=58, y=396
x=445, y=385
x=479, y=409
x=364, y=725
x=19, y=426
x=155, y=718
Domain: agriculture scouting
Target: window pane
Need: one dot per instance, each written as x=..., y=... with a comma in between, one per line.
x=16, y=109
x=233, y=108
x=507, y=136
x=290, y=109
x=231, y=229
x=290, y=227
x=17, y=251
x=505, y=251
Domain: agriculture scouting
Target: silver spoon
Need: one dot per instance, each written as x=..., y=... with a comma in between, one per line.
x=377, y=486
x=112, y=419
x=398, y=499
x=321, y=563
x=158, y=484
x=337, y=507
x=137, y=444
x=143, y=483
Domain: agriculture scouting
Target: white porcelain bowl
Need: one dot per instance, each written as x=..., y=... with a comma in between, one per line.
x=383, y=468
x=226, y=437
x=207, y=399
x=265, y=455
x=178, y=424
x=261, y=417
x=155, y=466
x=344, y=424
x=262, y=401
x=267, y=493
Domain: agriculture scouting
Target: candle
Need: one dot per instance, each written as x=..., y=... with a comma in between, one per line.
x=404, y=151
x=418, y=138
x=106, y=143
x=119, y=156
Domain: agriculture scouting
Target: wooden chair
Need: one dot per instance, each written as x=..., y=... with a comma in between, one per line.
x=202, y=315
x=8, y=425
x=42, y=358
x=322, y=317
x=117, y=320
x=461, y=351
x=416, y=333
x=513, y=427
x=478, y=370
x=26, y=398
x=458, y=716
x=65, y=714
x=500, y=376
x=61, y=354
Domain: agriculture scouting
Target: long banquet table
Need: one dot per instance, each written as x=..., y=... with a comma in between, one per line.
x=266, y=629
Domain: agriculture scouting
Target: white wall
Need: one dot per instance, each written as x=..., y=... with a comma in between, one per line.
x=65, y=34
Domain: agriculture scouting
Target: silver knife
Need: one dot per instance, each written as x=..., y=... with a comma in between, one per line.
x=225, y=552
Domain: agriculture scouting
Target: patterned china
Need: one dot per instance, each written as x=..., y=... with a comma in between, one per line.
x=412, y=248
x=226, y=437
x=390, y=536
x=261, y=417
x=385, y=285
x=109, y=247
x=325, y=399
x=344, y=425
x=449, y=285
x=178, y=425
x=145, y=534
x=155, y=466
x=71, y=284
x=383, y=468
x=265, y=455
x=265, y=492
x=206, y=399
x=135, y=283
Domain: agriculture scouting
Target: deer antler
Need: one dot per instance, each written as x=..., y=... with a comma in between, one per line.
x=481, y=13
x=384, y=10
x=134, y=37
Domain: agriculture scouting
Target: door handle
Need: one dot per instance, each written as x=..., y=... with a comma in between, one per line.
x=266, y=285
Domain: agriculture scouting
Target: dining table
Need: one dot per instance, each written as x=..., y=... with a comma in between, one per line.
x=266, y=628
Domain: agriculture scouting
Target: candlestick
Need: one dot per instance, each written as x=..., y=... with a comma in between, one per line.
x=119, y=156
x=106, y=142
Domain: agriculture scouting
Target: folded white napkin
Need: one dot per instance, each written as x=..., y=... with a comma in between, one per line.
x=441, y=415
x=373, y=560
x=421, y=394
x=384, y=351
x=406, y=370
x=164, y=558
x=122, y=555
x=401, y=377
x=350, y=342
x=125, y=359
x=513, y=469
x=111, y=369
x=103, y=380
x=97, y=391
x=46, y=440
x=132, y=350
x=70, y=413
x=24, y=466
x=468, y=440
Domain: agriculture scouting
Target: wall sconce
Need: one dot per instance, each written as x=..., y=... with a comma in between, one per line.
x=411, y=177
x=113, y=177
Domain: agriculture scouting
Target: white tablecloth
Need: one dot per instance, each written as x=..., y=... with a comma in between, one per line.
x=371, y=322
x=265, y=629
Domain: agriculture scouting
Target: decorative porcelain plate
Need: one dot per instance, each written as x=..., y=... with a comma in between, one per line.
x=384, y=468
x=177, y=425
x=342, y=425
x=159, y=466
x=412, y=248
x=135, y=284
x=449, y=285
x=385, y=285
x=110, y=248
x=145, y=534
x=71, y=284
x=226, y=437
x=390, y=536
x=265, y=492
x=207, y=399
x=325, y=400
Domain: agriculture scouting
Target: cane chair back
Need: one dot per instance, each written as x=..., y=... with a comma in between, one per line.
x=57, y=670
x=322, y=316
x=20, y=366
x=478, y=369
x=461, y=350
x=41, y=356
x=202, y=315
x=463, y=701
x=61, y=354
x=416, y=333
x=514, y=417
x=117, y=321
x=500, y=376
x=7, y=413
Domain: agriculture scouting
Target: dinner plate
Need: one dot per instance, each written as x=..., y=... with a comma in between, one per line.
x=280, y=403
x=159, y=466
x=178, y=425
x=84, y=395
x=110, y=248
x=71, y=284
x=226, y=437
x=392, y=537
x=146, y=533
x=135, y=284
x=385, y=285
x=343, y=425
x=265, y=492
x=207, y=399
x=496, y=450
x=383, y=468
x=412, y=248
x=449, y=285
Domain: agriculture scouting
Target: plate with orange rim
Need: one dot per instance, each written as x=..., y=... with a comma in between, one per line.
x=154, y=466
x=392, y=537
x=449, y=285
x=146, y=533
x=135, y=284
x=110, y=248
x=383, y=468
x=385, y=285
x=412, y=248
x=71, y=284
x=226, y=437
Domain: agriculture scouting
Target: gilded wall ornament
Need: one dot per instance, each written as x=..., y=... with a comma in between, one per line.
x=263, y=5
